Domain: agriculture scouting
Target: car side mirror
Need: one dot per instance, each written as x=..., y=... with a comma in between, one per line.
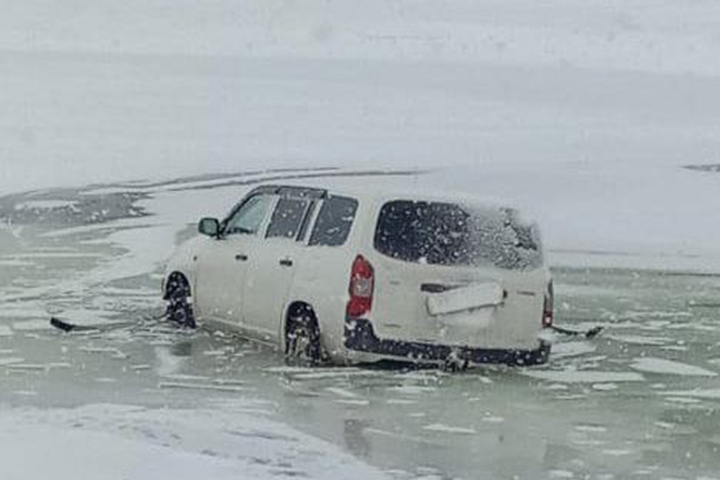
x=209, y=227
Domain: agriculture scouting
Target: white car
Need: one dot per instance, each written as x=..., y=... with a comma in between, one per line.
x=352, y=277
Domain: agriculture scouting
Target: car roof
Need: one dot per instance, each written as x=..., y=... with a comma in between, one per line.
x=370, y=193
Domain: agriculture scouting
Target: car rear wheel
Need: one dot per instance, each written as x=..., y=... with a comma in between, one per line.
x=302, y=336
x=179, y=308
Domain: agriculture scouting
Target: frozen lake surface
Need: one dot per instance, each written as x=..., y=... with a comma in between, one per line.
x=153, y=401
x=582, y=113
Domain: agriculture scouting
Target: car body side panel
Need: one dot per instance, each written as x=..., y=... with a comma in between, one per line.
x=221, y=278
x=271, y=273
x=183, y=260
x=323, y=283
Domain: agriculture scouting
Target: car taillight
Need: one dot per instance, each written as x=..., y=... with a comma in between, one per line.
x=361, y=287
x=548, y=310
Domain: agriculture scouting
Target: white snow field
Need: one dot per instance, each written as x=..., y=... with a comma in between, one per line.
x=583, y=112
x=112, y=442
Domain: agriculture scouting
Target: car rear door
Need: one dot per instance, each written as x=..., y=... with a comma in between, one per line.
x=434, y=285
x=222, y=266
x=270, y=273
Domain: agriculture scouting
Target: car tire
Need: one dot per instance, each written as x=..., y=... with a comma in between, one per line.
x=302, y=336
x=179, y=308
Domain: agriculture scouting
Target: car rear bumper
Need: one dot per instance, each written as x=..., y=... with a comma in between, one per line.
x=360, y=337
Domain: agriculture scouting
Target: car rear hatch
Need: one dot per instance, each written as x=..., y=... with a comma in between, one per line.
x=456, y=275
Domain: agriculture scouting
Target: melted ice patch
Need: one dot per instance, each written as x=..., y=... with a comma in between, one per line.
x=585, y=376
x=52, y=255
x=572, y=349
x=11, y=361
x=634, y=315
x=439, y=427
x=89, y=318
x=709, y=393
x=14, y=263
x=342, y=392
x=7, y=311
x=31, y=325
x=200, y=386
x=669, y=367
x=412, y=389
x=605, y=387
x=640, y=339
x=45, y=205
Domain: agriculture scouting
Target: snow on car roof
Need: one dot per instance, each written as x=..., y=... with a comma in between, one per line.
x=370, y=191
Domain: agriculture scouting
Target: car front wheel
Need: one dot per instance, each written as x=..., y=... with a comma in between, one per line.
x=179, y=307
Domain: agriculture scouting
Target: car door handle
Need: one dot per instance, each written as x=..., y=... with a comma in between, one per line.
x=241, y=257
x=286, y=262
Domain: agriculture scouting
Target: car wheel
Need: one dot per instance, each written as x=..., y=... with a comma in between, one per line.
x=179, y=309
x=302, y=341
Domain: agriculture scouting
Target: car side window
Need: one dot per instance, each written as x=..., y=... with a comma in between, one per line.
x=334, y=221
x=287, y=218
x=249, y=217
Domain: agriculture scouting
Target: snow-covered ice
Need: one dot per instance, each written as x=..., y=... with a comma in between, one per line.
x=669, y=367
x=709, y=393
x=584, y=376
x=111, y=442
x=438, y=427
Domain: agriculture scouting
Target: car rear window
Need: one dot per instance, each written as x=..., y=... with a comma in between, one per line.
x=334, y=221
x=439, y=233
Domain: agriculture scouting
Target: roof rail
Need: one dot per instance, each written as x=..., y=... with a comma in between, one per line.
x=291, y=191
